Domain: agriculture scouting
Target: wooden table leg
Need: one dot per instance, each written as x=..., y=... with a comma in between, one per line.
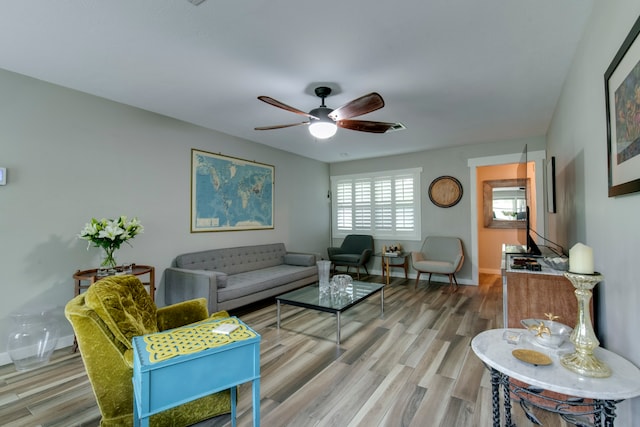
x=388, y=269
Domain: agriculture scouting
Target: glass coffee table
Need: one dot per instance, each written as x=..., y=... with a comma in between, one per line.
x=310, y=297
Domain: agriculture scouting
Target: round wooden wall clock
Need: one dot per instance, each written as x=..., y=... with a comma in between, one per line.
x=445, y=191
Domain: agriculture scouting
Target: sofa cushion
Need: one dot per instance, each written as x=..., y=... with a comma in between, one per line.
x=239, y=285
x=304, y=260
x=124, y=306
x=234, y=260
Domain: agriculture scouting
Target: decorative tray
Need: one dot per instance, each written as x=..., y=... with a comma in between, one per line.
x=531, y=356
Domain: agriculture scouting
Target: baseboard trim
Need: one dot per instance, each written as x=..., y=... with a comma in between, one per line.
x=438, y=278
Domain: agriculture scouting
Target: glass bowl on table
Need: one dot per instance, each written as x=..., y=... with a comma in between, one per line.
x=549, y=333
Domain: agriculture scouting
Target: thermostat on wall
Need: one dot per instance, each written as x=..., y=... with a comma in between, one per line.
x=3, y=176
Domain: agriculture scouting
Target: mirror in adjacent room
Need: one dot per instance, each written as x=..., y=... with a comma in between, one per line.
x=505, y=203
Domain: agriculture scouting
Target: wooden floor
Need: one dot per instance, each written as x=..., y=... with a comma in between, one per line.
x=413, y=366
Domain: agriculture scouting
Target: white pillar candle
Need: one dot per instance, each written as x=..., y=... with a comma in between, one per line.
x=581, y=259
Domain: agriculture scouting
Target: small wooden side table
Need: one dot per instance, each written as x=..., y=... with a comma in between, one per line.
x=387, y=265
x=84, y=279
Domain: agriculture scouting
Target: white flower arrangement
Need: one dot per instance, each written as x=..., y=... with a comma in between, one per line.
x=109, y=234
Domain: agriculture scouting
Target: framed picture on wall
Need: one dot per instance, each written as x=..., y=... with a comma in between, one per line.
x=622, y=96
x=230, y=194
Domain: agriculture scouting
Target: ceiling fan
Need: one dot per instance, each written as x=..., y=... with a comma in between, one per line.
x=324, y=122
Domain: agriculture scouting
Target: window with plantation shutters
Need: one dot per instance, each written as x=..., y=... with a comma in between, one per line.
x=384, y=204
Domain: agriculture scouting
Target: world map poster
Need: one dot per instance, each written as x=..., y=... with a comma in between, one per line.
x=229, y=194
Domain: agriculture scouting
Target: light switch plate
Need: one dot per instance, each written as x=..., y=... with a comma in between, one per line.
x=3, y=176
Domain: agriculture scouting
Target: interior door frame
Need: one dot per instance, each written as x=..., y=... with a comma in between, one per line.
x=539, y=158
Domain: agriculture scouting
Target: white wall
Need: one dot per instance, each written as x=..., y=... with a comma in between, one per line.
x=453, y=221
x=72, y=156
x=577, y=138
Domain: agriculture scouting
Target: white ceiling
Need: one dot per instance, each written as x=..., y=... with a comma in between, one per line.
x=452, y=71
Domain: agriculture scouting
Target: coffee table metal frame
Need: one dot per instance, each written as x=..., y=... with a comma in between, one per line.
x=309, y=297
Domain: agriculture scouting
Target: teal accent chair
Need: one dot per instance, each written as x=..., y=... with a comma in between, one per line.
x=439, y=255
x=356, y=251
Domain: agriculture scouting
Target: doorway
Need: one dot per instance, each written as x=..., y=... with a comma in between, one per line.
x=502, y=211
x=537, y=177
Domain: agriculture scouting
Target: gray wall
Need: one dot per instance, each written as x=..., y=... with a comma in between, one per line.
x=71, y=156
x=453, y=221
x=577, y=138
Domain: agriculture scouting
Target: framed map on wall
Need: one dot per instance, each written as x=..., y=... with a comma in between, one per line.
x=230, y=194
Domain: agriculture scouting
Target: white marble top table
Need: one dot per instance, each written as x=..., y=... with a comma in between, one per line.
x=495, y=352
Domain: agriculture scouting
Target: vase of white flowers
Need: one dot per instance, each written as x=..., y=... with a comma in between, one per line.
x=109, y=234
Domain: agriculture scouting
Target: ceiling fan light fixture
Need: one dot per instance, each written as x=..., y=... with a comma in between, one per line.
x=322, y=130
x=322, y=127
x=324, y=122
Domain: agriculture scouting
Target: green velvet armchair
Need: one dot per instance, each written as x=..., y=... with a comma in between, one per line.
x=105, y=318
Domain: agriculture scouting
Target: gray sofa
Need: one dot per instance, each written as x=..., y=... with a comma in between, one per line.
x=233, y=277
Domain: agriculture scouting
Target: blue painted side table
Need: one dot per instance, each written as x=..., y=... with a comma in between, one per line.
x=169, y=382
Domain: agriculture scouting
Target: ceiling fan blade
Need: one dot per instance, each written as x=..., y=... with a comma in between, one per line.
x=365, y=125
x=363, y=105
x=280, y=126
x=279, y=104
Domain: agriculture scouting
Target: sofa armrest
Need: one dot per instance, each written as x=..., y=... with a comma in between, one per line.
x=300, y=258
x=182, y=313
x=183, y=284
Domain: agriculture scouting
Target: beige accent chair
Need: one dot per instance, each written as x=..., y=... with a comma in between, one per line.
x=439, y=255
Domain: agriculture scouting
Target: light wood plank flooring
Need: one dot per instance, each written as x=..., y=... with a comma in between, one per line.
x=411, y=367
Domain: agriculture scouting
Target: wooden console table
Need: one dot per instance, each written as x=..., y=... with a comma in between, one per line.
x=530, y=294
x=602, y=394
x=84, y=279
